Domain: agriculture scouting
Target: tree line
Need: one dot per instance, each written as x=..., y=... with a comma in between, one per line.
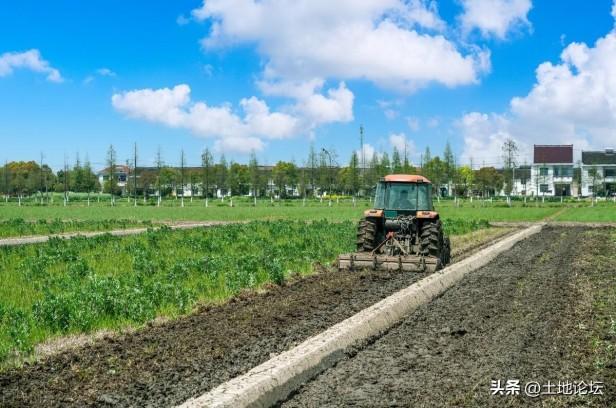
x=320, y=174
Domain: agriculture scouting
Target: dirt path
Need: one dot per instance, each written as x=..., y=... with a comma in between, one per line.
x=529, y=315
x=37, y=239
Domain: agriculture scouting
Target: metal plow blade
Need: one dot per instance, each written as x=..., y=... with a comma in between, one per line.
x=406, y=263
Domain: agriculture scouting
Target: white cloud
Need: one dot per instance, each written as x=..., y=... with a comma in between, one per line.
x=30, y=60
x=494, y=17
x=413, y=123
x=573, y=101
x=105, y=72
x=337, y=106
x=403, y=144
x=310, y=104
x=377, y=40
x=234, y=132
x=484, y=136
x=369, y=153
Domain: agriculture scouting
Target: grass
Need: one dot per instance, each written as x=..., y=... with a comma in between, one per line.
x=196, y=211
x=78, y=216
x=18, y=227
x=84, y=284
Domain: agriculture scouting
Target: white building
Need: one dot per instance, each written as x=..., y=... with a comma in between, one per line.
x=552, y=170
x=599, y=173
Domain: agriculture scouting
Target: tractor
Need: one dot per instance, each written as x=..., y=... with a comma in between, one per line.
x=402, y=232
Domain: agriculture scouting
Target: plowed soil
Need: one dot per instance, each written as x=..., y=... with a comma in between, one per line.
x=166, y=364
x=543, y=311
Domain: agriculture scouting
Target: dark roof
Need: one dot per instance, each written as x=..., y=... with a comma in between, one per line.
x=608, y=156
x=553, y=154
x=119, y=168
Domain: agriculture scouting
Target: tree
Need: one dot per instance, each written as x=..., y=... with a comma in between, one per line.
x=182, y=173
x=352, y=180
x=238, y=179
x=488, y=180
x=449, y=163
x=78, y=177
x=207, y=162
x=285, y=174
x=312, y=166
x=385, y=165
x=510, y=153
x=426, y=156
x=221, y=175
x=434, y=170
x=255, y=176
x=406, y=166
x=112, y=181
x=595, y=180
x=467, y=177
x=159, y=166
x=90, y=183
x=396, y=162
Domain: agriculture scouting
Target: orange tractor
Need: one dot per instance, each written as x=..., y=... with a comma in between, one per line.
x=402, y=232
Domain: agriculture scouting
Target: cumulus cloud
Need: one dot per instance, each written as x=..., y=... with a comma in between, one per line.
x=402, y=143
x=573, y=101
x=30, y=60
x=494, y=17
x=484, y=136
x=383, y=41
x=233, y=131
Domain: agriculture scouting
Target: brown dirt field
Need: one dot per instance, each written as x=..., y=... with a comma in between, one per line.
x=542, y=311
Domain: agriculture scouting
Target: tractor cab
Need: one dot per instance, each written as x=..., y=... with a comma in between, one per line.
x=402, y=231
x=402, y=194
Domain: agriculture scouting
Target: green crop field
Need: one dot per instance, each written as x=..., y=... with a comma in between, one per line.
x=244, y=209
x=83, y=284
x=18, y=227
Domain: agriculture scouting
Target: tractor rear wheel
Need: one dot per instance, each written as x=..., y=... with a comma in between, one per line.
x=432, y=241
x=446, y=255
x=366, y=235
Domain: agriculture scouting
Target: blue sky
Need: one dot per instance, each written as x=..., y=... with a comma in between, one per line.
x=273, y=76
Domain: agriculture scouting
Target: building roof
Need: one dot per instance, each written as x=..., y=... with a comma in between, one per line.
x=119, y=168
x=545, y=154
x=607, y=156
x=406, y=178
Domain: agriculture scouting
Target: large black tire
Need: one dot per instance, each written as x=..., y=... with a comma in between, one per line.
x=434, y=243
x=366, y=235
x=446, y=256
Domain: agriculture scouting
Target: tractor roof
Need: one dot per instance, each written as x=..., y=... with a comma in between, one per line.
x=406, y=178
